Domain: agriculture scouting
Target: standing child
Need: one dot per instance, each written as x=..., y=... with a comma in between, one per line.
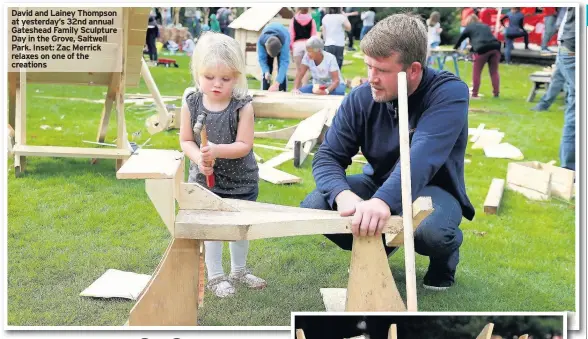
x=434, y=33
x=218, y=70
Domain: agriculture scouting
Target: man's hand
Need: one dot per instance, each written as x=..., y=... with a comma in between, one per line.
x=370, y=217
x=274, y=87
x=267, y=76
x=346, y=202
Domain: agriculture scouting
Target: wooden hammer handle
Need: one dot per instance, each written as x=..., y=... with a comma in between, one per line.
x=204, y=143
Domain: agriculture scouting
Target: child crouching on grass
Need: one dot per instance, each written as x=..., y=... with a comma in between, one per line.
x=218, y=69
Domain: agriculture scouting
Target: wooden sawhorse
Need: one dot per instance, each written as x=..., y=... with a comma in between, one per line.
x=171, y=296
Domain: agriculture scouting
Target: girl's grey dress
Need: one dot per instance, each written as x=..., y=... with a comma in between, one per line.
x=236, y=178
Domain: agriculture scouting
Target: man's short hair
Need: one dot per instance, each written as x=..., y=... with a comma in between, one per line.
x=273, y=46
x=405, y=34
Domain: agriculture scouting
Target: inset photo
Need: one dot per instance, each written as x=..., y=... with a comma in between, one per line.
x=354, y=326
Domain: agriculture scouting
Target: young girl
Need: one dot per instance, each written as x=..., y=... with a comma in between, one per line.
x=218, y=69
x=434, y=33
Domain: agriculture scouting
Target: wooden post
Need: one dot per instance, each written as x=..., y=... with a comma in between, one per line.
x=122, y=137
x=411, y=298
x=108, y=101
x=11, y=98
x=20, y=128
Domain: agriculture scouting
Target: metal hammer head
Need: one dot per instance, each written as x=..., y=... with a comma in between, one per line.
x=199, y=123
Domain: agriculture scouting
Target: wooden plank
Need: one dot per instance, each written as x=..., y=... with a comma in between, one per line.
x=273, y=148
x=529, y=193
x=281, y=105
x=392, y=332
x=164, y=116
x=20, y=133
x=71, y=152
x=300, y=334
x=121, y=132
x=281, y=134
x=371, y=287
x=161, y=193
x=487, y=138
x=524, y=174
x=276, y=176
x=562, y=181
x=264, y=207
x=280, y=159
x=250, y=224
x=108, y=103
x=171, y=296
x=192, y=196
x=302, y=150
x=486, y=332
x=477, y=133
x=309, y=128
x=151, y=164
x=72, y=78
x=422, y=207
x=409, y=252
x=334, y=299
x=12, y=84
x=492, y=202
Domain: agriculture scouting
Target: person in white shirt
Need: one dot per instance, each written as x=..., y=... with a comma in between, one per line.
x=333, y=29
x=326, y=74
x=369, y=19
x=434, y=33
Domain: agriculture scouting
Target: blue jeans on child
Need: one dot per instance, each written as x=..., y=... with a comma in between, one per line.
x=432, y=45
x=438, y=236
x=364, y=31
x=340, y=90
x=566, y=62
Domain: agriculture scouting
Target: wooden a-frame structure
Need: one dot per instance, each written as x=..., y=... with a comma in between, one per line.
x=171, y=298
x=130, y=52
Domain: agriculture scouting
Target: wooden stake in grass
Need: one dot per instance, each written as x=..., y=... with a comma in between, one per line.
x=411, y=298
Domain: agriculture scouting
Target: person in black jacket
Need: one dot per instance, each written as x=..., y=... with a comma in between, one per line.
x=486, y=49
x=150, y=39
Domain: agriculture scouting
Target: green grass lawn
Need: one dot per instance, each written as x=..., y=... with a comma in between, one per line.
x=70, y=221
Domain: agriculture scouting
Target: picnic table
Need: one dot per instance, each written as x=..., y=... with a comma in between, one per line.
x=541, y=80
x=441, y=55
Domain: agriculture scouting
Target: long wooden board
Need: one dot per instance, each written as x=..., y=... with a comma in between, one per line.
x=309, y=128
x=276, y=176
x=71, y=152
x=257, y=223
x=289, y=106
x=486, y=332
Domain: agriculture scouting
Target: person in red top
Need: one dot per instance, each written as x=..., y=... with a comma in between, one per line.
x=550, y=27
x=302, y=27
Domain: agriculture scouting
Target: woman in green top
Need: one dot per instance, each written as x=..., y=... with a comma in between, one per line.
x=316, y=16
x=214, y=24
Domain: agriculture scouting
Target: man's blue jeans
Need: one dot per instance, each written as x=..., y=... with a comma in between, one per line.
x=549, y=30
x=566, y=62
x=557, y=83
x=438, y=236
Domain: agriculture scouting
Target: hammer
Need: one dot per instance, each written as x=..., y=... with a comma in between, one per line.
x=200, y=128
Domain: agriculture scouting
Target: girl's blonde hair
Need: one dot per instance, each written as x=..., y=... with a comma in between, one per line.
x=214, y=49
x=434, y=18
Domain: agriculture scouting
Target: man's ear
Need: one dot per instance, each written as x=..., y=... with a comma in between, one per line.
x=414, y=71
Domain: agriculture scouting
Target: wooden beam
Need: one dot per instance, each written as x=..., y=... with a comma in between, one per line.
x=164, y=116
x=392, y=332
x=276, y=176
x=492, y=202
x=486, y=332
x=194, y=196
x=526, y=175
x=371, y=287
x=409, y=253
x=422, y=207
x=71, y=152
x=12, y=84
x=151, y=164
x=161, y=194
x=171, y=296
x=281, y=105
x=259, y=223
x=20, y=127
x=280, y=134
x=309, y=128
x=302, y=150
x=280, y=159
x=108, y=103
x=121, y=135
